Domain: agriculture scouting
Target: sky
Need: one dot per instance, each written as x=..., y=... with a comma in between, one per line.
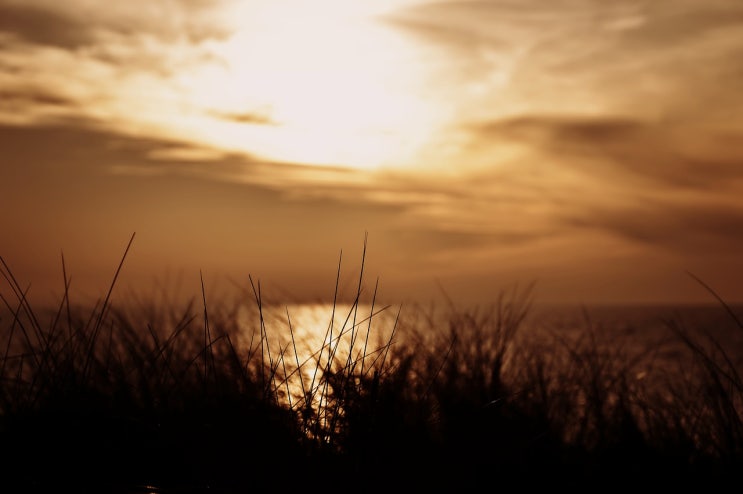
x=593, y=149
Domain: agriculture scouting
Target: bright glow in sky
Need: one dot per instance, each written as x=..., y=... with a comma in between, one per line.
x=324, y=83
x=318, y=83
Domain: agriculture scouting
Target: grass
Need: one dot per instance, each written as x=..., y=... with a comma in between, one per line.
x=147, y=398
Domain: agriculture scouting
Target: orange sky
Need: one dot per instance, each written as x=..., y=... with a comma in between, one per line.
x=594, y=148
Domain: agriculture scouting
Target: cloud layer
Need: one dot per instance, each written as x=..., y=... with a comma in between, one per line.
x=569, y=141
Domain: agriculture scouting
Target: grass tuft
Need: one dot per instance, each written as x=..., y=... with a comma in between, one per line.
x=115, y=397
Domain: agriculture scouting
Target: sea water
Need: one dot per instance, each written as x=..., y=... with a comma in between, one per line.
x=649, y=335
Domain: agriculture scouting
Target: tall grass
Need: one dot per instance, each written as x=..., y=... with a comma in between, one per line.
x=147, y=398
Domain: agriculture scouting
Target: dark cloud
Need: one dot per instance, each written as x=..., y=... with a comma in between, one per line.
x=79, y=151
x=665, y=153
x=253, y=118
x=421, y=238
x=71, y=26
x=73, y=151
x=21, y=100
x=694, y=228
x=664, y=185
x=36, y=25
x=82, y=140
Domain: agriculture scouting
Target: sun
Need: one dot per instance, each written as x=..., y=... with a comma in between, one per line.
x=322, y=83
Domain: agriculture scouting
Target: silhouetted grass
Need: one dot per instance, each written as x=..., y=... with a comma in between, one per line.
x=148, y=398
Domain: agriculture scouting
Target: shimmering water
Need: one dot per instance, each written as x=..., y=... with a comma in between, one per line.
x=646, y=325
x=635, y=330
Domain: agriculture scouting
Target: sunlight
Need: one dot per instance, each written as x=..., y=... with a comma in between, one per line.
x=326, y=84
x=303, y=335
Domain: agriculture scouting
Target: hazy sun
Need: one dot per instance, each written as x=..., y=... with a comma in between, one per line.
x=322, y=82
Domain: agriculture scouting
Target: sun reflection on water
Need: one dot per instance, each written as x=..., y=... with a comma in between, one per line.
x=303, y=341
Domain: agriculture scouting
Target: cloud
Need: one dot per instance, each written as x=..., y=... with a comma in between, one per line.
x=75, y=186
x=34, y=24
x=671, y=154
x=105, y=60
x=16, y=100
x=441, y=245
x=253, y=118
x=130, y=79
x=78, y=23
x=673, y=22
x=671, y=58
x=674, y=186
x=84, y=146
x=416, y=221
x=700, y=228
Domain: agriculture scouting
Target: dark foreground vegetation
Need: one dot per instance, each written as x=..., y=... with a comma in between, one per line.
x=164, y=399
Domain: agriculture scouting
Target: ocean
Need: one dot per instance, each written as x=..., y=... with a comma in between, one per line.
x=648, y=335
